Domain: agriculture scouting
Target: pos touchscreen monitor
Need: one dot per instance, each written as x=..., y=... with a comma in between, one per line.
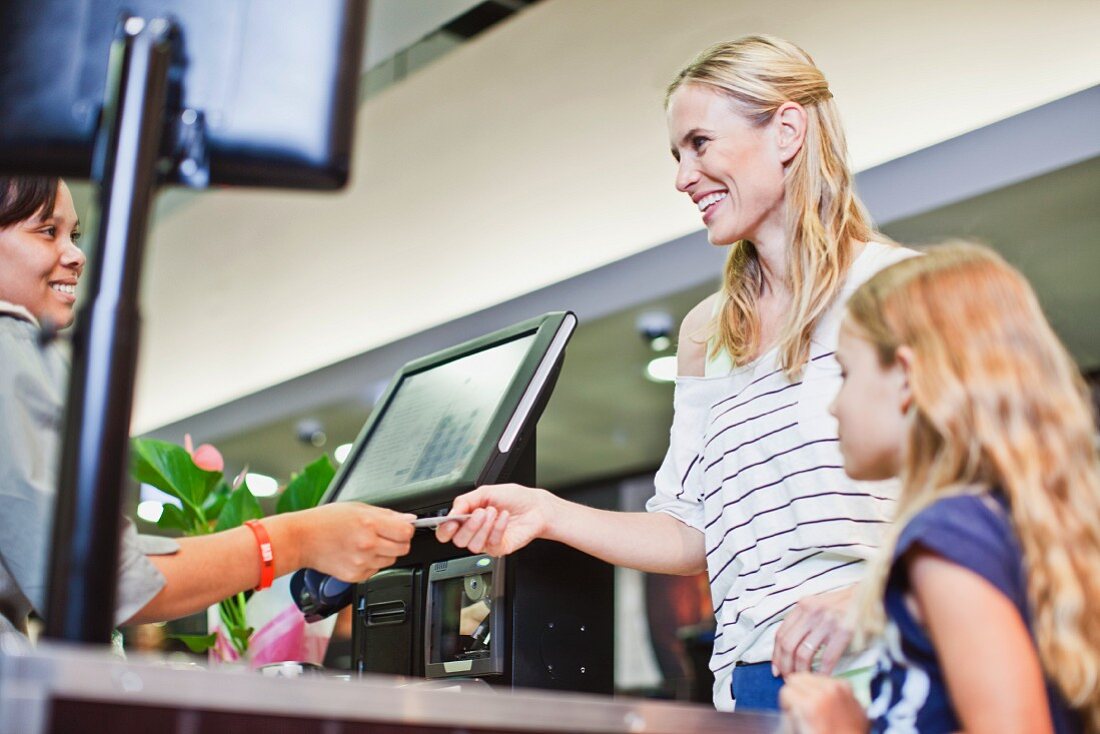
x=455, y=419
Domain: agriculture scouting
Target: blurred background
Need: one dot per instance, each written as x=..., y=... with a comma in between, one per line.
x=512, y=158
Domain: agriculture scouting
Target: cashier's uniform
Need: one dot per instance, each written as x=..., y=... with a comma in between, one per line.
x=33, y=381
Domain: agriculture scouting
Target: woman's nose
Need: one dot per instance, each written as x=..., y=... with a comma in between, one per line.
x=73, y=257
x=686, y=174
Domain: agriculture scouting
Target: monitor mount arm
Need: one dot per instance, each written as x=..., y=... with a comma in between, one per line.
x=129, y=165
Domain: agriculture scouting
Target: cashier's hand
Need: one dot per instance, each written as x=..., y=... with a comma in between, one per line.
x=504, y=518
x=351, y=540
x=817, y=623
x=814, y=704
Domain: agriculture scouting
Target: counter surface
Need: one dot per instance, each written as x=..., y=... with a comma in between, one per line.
x=60, y=688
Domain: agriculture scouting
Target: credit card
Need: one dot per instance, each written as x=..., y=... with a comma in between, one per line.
x=437, y=520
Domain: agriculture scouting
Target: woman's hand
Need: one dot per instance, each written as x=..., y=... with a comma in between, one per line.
x=350, y=540
x=504, y=518
x=819, y=622
x=814, y=704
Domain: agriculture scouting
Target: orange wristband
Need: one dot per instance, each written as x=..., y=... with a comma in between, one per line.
x=267, y=553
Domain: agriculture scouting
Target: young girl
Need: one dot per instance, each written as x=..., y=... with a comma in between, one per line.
x=987, y=594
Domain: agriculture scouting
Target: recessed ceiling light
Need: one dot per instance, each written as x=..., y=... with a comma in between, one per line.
x=261, y=484
x=661, y=369
x=150, y=510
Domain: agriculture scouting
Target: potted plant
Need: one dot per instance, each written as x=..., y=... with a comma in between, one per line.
x=209, y=503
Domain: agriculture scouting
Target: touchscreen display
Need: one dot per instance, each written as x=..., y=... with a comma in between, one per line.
x=434, y=421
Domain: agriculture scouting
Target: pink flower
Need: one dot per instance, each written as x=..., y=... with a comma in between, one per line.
x=206, y=457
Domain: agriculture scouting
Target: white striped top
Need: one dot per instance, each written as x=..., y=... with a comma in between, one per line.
x=754, y=464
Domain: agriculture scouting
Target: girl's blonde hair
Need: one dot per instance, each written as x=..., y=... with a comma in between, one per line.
x=997, y=402
x=825, y=218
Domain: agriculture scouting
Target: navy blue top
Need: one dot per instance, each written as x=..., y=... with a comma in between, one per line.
x=909, y=692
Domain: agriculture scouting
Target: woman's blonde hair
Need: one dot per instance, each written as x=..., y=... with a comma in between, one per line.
x=825, y=218
x=997, y=402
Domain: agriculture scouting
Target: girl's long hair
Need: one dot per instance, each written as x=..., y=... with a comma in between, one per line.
x=997, y=402
x=825, y=218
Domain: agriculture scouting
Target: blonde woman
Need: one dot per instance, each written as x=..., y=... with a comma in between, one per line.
x=752, y=489
x=988, y=589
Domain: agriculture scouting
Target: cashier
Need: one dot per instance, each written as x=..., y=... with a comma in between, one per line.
x=41, y=265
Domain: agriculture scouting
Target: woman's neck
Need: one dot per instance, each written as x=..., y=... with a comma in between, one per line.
x=771, y=251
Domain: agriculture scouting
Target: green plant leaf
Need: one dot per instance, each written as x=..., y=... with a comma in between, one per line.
x=197, y=643
x=240, y=506
x=240, y=637
x=169, y=468
x=216, y=500
x=173, y=518
x=306, y=489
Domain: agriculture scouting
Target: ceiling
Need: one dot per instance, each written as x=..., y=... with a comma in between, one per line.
x=606, y=419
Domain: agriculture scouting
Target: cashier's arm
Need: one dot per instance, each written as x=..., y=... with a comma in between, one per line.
x=348, y=540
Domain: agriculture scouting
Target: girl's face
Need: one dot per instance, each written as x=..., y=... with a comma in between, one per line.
x=41, y=264
x=871, y=407
x=731, y=168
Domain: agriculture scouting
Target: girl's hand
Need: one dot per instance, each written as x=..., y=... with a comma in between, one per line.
x=504, y=518
x=814, y=704
x=818, y=622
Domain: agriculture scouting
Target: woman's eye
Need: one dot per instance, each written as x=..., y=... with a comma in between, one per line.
x=50, y=232
x=698, y=142
x=75, y=236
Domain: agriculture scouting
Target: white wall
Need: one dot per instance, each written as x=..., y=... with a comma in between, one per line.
x=537, y=152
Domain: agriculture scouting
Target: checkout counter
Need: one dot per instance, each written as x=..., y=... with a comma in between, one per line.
x=445, y=641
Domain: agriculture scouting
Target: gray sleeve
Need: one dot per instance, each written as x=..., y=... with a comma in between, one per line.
x=30, y=410
x=31, y=399
x=138, y=579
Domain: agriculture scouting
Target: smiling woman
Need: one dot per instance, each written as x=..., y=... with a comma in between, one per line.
x=39, y=230
x=40, y=268
x=752, y=487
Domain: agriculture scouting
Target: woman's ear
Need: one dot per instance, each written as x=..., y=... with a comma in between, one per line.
x=790, y=121
x=903, y=361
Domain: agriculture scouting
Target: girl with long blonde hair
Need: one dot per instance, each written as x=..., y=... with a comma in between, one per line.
x=752, y=490
x=987, y=592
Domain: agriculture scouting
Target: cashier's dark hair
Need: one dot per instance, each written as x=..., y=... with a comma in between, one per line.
x=22, y=197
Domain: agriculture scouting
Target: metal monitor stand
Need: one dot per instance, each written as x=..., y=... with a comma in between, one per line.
x=84, y=557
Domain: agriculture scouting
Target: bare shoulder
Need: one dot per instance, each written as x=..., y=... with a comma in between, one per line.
x=691, y=349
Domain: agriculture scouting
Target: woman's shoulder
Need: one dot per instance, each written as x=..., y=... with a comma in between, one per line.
x=695, y=333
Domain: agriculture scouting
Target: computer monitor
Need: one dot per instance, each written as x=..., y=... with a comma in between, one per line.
x=273, y=85
x=455, y=419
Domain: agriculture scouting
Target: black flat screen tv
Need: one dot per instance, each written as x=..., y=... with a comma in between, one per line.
x=276, y=83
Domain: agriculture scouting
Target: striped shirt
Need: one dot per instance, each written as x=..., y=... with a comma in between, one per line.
x=754, y=464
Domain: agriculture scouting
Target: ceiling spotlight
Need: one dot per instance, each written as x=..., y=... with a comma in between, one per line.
x=661, y=369
x=311, y=431
x=655, y=327
x=660, y=343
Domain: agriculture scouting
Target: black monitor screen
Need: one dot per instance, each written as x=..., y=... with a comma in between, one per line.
x=435, y=420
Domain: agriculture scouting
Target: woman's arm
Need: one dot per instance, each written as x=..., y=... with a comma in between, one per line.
x=989, y=660
x=506, y=517
x=348, y=540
